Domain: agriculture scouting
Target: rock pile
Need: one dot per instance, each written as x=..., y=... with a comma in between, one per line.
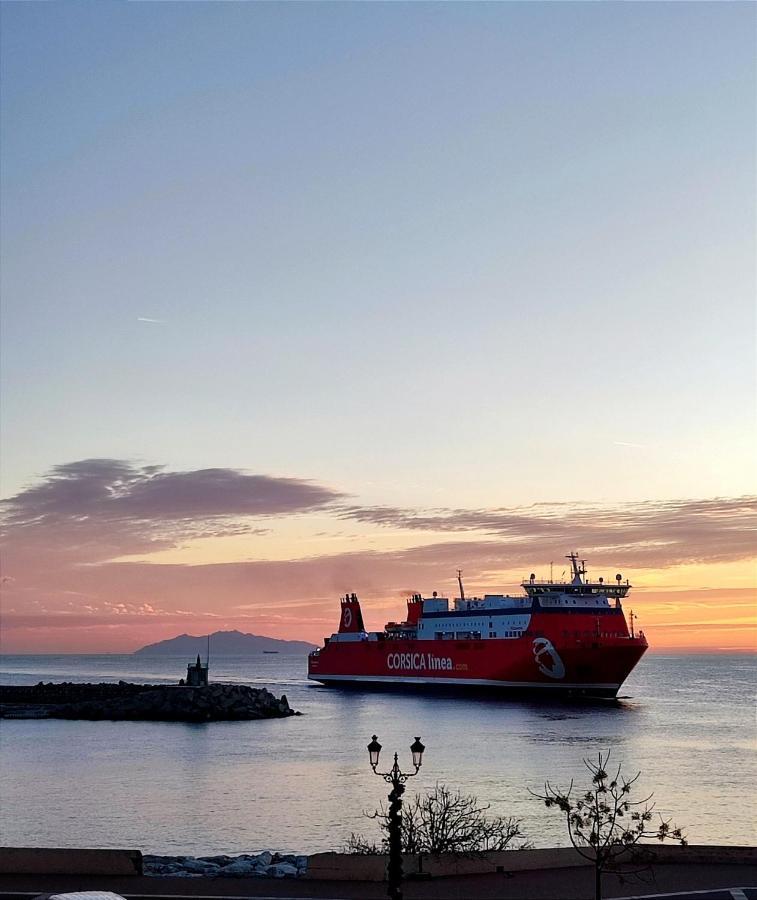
x=247, y=865
x=52, y=692
x=164, y=703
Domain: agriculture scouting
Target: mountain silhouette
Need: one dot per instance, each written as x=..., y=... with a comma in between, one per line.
x=222, y=643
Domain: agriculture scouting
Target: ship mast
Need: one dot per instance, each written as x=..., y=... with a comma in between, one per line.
x=578, y=571
x=460, y=582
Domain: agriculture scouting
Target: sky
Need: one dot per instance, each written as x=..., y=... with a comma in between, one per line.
x=307, y=298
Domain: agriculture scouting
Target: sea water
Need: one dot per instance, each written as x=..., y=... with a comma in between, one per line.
x=303, y=784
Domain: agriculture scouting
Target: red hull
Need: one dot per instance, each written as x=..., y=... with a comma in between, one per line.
x=559, y=653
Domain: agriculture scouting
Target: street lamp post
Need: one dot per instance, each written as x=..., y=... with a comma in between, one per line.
x=397, y=779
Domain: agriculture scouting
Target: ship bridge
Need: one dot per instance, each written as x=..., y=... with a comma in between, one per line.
x=578, y=588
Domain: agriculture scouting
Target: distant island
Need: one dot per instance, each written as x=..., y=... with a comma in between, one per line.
x=223, y=643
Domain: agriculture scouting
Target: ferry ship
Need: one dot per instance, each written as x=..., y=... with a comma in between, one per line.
x=567, y=637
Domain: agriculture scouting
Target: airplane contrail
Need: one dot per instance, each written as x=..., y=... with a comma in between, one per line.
x=149, y=320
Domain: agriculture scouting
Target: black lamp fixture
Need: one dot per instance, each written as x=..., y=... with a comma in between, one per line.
x=374, y=749
x=417, y=748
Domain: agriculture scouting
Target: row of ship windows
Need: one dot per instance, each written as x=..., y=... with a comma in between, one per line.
x=594, y=634
x=560, y=602
x=474, y=624
x=472, y=635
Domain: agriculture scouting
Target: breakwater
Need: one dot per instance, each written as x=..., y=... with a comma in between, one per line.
x=144, y=702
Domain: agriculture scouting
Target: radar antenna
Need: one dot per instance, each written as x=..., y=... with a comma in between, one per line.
x=578, y=571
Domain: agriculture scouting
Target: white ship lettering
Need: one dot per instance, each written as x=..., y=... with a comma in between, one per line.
x=414, y=661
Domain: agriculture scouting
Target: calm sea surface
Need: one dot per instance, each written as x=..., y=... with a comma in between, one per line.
x=301, y=784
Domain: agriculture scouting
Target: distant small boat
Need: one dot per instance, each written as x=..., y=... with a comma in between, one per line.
x=270, y=651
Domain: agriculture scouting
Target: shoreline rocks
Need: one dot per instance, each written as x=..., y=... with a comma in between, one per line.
x=246, y=865
x=124, y=701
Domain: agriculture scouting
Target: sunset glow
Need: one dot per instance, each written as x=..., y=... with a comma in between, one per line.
x=104, y=555
x=306, y=299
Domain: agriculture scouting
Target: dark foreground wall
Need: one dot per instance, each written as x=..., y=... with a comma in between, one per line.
x=51, y=861
x=339, y=867
x=164, y=703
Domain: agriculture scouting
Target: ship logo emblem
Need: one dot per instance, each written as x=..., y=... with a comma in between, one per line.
x=548, y=659
x=347, y=617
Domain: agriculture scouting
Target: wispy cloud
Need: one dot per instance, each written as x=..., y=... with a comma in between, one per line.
x=111, y=489
x=64, y=534
x=150, y=321
x=97, y=509
x=651, y=533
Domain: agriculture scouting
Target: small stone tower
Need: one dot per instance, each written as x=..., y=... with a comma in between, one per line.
x=197, y=674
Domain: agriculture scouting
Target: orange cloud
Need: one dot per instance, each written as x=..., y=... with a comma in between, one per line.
x=64, y=591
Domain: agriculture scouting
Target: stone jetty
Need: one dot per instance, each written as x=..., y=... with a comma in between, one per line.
x=247, y=865
x=148, y=702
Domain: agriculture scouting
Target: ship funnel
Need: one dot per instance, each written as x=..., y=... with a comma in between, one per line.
x=351, y=620
x=415, y=609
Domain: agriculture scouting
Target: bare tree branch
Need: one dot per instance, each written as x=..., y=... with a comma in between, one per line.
x=605, y=825
x=445, y=821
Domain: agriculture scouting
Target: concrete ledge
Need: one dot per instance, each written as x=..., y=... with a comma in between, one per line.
x=54, y=861
x=347, y=867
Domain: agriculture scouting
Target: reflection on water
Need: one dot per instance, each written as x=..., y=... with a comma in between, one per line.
x=301, y=784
